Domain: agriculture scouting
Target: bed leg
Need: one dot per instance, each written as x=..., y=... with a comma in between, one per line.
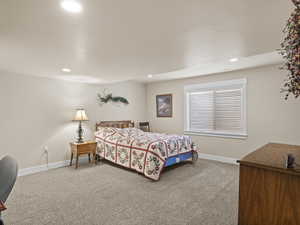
x=194, y=157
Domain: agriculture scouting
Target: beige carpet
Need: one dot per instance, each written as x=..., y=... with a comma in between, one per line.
x=205, y=193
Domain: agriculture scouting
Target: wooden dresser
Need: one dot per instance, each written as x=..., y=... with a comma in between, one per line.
x=269, y=193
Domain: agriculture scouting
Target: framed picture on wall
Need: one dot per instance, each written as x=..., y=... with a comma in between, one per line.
x=164, y=105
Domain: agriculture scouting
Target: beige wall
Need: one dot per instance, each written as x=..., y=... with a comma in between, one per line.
x=37, y=112
x=270, y=117
x=136, y=95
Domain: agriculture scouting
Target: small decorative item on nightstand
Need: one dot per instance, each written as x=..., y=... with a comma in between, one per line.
x=290, y=162
x=78, y=149
x=80, y=116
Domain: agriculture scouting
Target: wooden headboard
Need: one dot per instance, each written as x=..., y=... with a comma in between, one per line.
x=116, y=124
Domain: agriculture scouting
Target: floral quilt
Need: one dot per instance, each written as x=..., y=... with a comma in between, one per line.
x=142, y=151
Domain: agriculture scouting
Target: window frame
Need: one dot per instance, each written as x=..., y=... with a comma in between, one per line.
x=215, y=86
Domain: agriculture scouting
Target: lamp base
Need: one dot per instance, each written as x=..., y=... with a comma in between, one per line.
x=80, y=132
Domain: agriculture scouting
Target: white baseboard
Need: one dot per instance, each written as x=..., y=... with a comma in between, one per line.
x=218, y=158
x=55, y=165
x=45, y=167
x=41, y=168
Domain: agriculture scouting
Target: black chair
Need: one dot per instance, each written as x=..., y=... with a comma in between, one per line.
x=8, y=176
x=144, y=126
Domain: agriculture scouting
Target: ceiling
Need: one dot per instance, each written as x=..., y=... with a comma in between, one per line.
x=117, y=40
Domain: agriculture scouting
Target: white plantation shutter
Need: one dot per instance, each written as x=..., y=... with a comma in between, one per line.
x=202, y=111
x=216, y=108
x=228, y=110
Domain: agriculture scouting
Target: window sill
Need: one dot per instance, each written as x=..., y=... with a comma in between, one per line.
x=221, y=135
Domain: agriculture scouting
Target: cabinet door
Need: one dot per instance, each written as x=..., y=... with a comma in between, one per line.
x=268, y=197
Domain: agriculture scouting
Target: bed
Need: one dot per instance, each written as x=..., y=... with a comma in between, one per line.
x=147, y=153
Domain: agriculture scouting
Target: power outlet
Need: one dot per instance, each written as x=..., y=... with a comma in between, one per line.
x=46, y=154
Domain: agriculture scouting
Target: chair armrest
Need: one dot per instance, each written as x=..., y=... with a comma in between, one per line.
x=2, y=206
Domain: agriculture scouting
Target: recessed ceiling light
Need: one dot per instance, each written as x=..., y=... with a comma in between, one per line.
x=150, y=75
x=71, y=6
x=233, y=59
x=66, y=70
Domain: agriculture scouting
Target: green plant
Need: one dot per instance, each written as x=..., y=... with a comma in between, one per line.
x=105, y=98
x=290, y=50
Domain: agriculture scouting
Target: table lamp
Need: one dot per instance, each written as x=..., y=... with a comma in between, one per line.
x=80, y=116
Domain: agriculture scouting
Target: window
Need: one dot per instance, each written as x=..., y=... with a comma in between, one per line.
x=216, y=109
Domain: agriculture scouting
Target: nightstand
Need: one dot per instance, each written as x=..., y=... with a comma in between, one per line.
x=86, y=148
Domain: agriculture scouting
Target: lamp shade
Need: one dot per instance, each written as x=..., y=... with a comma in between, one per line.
x=80, y=115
